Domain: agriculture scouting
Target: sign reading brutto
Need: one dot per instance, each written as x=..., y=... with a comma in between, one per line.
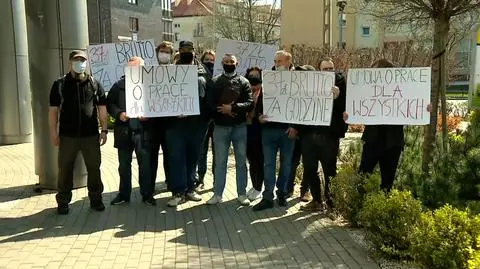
x=395, y=96
x=298, y=97
x=107, y=60
x=161, y=90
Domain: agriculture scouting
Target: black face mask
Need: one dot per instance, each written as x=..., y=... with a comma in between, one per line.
x=228, y=68
x=209, y=65
x=186, y=57
x=254, y=81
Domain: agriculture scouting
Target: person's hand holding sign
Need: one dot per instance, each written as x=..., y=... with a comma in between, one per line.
x=225, y=109
x=335, y=92
x=123, y=117
x=263, y=119
x=292, y=133
x=345, y=116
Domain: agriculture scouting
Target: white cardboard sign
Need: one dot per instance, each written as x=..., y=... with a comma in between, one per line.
x=107, y=61
x=248, y=55
x=161, y=90
x=298, y=97
x=394, y=96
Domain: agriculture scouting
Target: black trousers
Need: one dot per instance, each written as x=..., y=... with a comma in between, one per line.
x=388, y=160
x=297, y=156
x=255, y=156
x=67, y=154
x=324, y=148
x=158, y=142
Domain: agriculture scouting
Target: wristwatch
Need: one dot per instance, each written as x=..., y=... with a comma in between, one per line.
x=105, y=131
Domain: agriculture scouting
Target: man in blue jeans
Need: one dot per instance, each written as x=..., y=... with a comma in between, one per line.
x=275, y=137
x=131, y=134
x=184, y=136
x=230, y=102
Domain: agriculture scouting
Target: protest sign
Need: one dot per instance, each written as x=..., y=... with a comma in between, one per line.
x=161, y=90
x=298, y=97
x=394, y=96
x=107, y=61
x=248, y=54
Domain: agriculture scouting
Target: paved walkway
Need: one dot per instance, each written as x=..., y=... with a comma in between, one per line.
x=32, y=235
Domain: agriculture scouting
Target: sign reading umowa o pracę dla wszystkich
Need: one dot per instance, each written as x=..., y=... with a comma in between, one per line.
x=161, y=91
x=393, y=96
x=298, y=97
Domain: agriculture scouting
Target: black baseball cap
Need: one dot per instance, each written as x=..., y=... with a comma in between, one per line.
x=185, y=45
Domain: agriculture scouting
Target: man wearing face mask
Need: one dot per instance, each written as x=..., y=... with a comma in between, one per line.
x=230, y=101
x=321, y=143
x=75, y=100
x=184, y=137
x=164, y=56
x=277, y=136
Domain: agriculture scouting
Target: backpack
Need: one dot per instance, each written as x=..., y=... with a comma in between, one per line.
x=61, y=83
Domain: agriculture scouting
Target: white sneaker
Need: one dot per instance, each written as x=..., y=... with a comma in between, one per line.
x=214, y=200
x=253, y=194
x=243, y=200
x=176, y=200
x=193, y=196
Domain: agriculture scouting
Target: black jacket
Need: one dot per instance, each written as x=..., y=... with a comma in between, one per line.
x=226, y=90
x=116, y=104
x=78, y=101
x=383, y=136
x=337, y=127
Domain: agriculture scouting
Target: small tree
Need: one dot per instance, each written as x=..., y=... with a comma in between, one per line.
x=424, y=12
x=247, y=20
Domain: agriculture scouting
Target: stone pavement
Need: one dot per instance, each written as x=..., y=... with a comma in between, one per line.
x=32, y=235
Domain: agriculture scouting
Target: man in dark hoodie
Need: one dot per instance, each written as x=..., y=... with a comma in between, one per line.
x=230, y=102
x=184, y=137
x=131, y=134
x=276, y=136
x=321, y=143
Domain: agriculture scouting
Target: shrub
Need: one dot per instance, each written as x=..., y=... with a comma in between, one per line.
x=389, y=221
x=348, y=190
x=474, y=262
x=446, y=238
x=111, y=122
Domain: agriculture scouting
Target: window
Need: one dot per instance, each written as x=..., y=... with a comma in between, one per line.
x=133, y=24
x=365, y=30
x=133, y=2
x=177, y=36
x=198, y=31
x=344, y=20
x=177, y=25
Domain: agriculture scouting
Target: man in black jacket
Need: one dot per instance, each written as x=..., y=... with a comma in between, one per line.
x=230, y=102
x=184, y=136
x=74, y=101
x=321, y=143
x=131, y=134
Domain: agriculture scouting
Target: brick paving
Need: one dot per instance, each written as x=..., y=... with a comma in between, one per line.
x=195, y=235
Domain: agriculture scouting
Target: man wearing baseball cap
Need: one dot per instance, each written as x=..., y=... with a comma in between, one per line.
x=75, y=101
x=184, y=136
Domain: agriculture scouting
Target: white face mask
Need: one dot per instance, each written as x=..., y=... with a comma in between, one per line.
x=79, y=66
x=163, y=58
x=281, y=68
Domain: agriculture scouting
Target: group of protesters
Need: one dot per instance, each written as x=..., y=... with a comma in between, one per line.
x=231, y=112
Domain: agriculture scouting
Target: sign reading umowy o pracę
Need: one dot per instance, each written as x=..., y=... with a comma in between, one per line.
x=395, y=96
x=161, y=90
x=107, y=61
x=298, y=97
x=248, y=55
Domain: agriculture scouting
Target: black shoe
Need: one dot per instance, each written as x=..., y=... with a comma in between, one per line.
x=289, y=194
x=264, y=204
x=150, y=201
x=62, y=209
x=282, y=201
x=97, y=206
x=119, y=200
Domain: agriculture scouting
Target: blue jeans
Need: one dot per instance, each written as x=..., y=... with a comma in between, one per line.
x=202, y=159
x=274, y=139
x=223, y=136
x=144, y=155
x=183, y=147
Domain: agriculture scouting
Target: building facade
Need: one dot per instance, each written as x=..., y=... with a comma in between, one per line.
x=122, y=20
